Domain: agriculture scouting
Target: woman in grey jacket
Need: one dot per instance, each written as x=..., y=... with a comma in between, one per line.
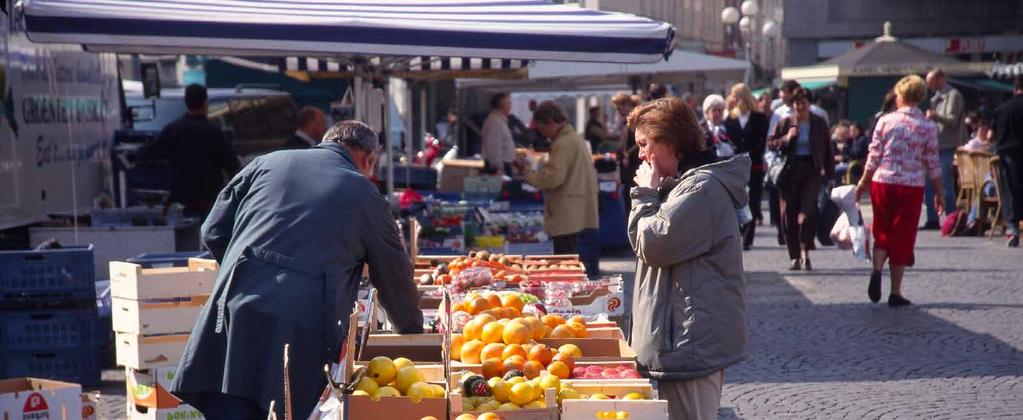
x=689, y=319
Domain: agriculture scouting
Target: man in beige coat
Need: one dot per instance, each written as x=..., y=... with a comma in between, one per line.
x=568, y=180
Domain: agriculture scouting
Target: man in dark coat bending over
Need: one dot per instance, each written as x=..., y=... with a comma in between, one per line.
x=292, y=231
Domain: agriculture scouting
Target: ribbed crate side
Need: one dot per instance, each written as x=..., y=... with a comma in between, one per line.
x=79, y=366
x=47, y=274
x=48, y=330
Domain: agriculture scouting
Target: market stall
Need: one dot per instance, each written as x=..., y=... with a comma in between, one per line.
x=351, y=32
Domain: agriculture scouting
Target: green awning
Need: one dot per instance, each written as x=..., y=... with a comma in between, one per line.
x=813, y=85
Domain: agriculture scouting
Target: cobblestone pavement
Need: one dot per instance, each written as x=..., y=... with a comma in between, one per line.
x=820, y=349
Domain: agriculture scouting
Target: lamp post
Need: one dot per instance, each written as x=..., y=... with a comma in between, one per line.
x=747, y=16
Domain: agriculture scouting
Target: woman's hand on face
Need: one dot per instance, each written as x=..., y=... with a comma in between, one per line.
x=647, y=176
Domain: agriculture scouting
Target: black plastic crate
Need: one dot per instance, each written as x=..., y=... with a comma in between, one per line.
x=49, y=277
x=80, y=366
x=48, y=330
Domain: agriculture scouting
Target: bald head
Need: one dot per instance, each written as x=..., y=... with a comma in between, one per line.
x=936, y=79
x=312, y=121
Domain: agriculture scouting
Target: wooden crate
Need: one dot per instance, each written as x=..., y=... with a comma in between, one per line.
x=131, y=281
x=650, y=408
x=550, y=412
x=140, y=317
x=416, y=347
x=147, y=352
x=596, y=349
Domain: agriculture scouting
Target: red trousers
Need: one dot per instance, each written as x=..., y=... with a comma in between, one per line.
x=896, y=217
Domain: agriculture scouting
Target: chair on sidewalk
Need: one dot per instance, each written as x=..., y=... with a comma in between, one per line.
x=994, y=204
x=967, y=180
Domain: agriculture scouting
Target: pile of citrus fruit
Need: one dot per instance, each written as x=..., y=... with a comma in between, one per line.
x=395, y=378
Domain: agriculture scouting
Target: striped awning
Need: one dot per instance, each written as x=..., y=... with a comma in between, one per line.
x=413, y=64
x=494, y=29
x=418, y=68
x=1006, y=71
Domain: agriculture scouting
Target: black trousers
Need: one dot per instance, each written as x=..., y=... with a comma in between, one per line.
x=756, y=194
x=566, y=244
x=1011, y=180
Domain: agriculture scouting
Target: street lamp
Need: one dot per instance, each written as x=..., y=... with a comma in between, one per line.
x=746, y=16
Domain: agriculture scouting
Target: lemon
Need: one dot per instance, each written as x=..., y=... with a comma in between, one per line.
x=501, y=391
x=599, y=396
x=489, y=406
x=438, y=391
x=406, y=377
x=384, y=391
x=534, y=405
x=418, y=391
x=551, y=381
x=403, y=362
x=568, y=394
x=633, y=396
x=361, y=393
x=382, y=369
x=521, y=394
x=509, y=406
x=367, y=384
x=516, y=380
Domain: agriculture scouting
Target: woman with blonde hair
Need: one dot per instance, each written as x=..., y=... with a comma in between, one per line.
x=903, y=157
x=747, y=127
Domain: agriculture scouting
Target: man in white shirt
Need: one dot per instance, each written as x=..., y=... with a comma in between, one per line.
x=784, y=111
x=498, y=144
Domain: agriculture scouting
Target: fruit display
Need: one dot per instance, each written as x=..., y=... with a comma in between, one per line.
x=605, y=372
x=507, y=393
x=478, y=269
x=384, y=377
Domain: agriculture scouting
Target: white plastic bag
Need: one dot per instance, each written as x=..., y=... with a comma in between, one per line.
x=849, y=231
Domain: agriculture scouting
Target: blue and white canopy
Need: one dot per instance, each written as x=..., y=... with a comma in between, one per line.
x=496, y=29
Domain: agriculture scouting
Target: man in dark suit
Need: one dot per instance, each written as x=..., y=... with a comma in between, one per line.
x=312, y=123
x=199, y=155
x=292, y=232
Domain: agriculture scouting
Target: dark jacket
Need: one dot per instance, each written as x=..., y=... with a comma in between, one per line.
x=1007, y=125
x=752, y=139
x=296, y=143
x=820, y=143
x=199, y=155
x=292, y=252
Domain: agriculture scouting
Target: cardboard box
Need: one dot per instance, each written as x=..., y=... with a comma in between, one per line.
x=148, y=388
x=90, y=405
x=601, y=301
x=146, y=352
x=181, y=412
x=31, y=398
x=650, y=408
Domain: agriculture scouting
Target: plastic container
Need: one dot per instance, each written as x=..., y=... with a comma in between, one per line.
x=29, y=277
x=80, y=366
x=166, y=259
x=48, y=330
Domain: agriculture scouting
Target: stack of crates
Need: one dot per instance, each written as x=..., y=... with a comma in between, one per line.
x=48, y=321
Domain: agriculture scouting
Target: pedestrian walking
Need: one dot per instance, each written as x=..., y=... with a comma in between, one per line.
x=1008, y=132
x=747, y=126
x=628, y=153
x=947, y=109
x=809, y=159
x=683, y=229
x=903, y=157
x=714, y=125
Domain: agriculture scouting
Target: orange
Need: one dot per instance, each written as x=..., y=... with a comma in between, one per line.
x=466, y=416
x=485, y=319
x=477, y=305
x=472, y=330
x=512, y=350
x=514, y=301
x=488, y=416
x=494, y=299
x=513, y=312
x=460, y=306
x=562, y=331
x=565, y=358
x=578, y=318
x=553, y=320
x=493, y=368
x=491, y=351
x=559, y=369
x=538, y=353
x=516, y=333
x=532, y=369
x=578, y=329
x=571, y=349
x=471, y=351
x=457, y=340
x=491, y=312
x=514, y=363
x=536, y=326
x=492, y=333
